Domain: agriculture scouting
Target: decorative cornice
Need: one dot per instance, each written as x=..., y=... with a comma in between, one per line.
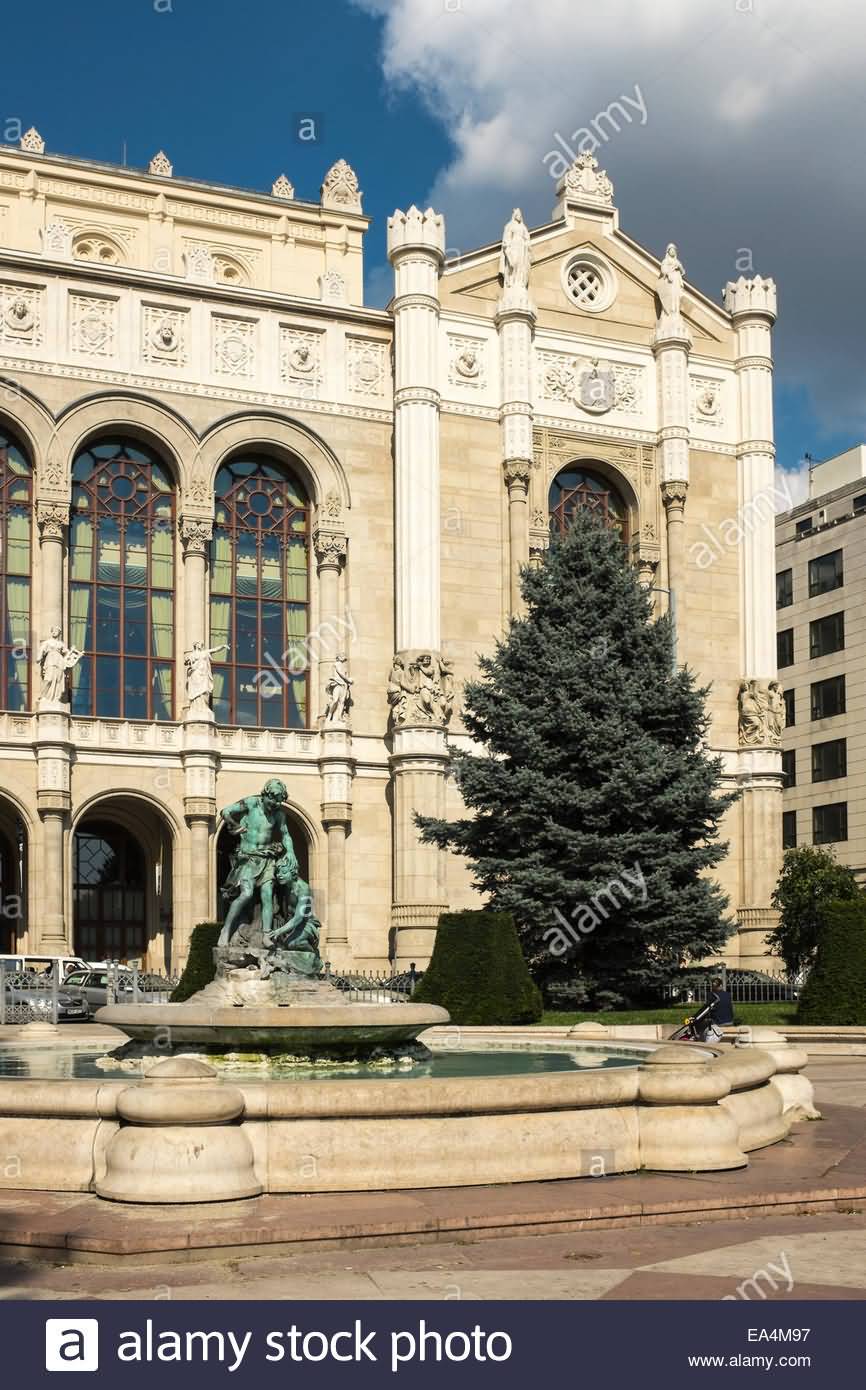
x=412, y=395
x=415, y=301
x=756, y=446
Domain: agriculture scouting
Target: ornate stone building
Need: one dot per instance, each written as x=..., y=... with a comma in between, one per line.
x=253, y=528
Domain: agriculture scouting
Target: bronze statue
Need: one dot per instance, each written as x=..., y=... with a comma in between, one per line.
x=264, y=856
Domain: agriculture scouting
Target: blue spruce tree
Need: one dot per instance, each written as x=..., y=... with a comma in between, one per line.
x=596, y=808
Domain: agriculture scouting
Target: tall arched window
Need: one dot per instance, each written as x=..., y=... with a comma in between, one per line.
x=260, y=596
x=121, y=582
x=580, y=489
x=16, y=521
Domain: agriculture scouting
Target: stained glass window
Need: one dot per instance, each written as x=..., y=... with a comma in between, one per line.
x=121, y=582
x=579, y=489
x=259, y=607
x=16, y=524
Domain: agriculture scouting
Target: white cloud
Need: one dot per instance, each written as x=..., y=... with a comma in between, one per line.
x=750, y=146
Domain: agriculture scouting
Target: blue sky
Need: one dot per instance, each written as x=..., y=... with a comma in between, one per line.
x=404, y=91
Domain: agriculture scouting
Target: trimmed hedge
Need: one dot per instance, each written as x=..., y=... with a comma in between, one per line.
x=477, y=971
x=835, y=992
x=199, y=969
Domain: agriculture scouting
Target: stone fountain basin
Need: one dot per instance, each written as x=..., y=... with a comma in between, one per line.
x=273, y=1028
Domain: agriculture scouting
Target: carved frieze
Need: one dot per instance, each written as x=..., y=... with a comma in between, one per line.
x=22, y=315
x=466, y=361
x=165, y=336
x=366, y=364
x=302, y=360
x=234, y=347
x=92, y=325
x=420, y=690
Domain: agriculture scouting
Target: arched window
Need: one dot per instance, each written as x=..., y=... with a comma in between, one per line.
x=121, y=583
x=16, y=520
x=579, y=489
x=259, y=596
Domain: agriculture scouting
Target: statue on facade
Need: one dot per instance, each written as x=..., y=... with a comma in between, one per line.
x=776, y=713
x=670, y=287
x=751, y=714
x=199, y=674
x=761, y=713
x=263, y=859
x=55, y=660
x=338, y=692
x=401, y=687
x=420, y=689
x=514, y=257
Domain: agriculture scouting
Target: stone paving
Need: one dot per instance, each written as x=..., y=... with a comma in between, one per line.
x=797, y=1253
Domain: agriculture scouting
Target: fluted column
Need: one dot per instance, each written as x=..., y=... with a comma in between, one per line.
x=517, y=473
x=752, y=306
x=49, y=930
x=196, y=534
x=52, y=519
x=416, y=249
x=671, y=347
x=330, y=548
x=515, y=323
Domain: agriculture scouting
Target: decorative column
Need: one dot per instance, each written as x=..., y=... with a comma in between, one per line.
x=752, y=306
x=671, y=346
x=48, y=927
x=196, y=533
x=419, y=710
x=515, y=323
x=330, y=547
x=198, y=755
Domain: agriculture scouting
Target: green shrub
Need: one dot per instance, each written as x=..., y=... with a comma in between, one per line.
x=835, y=992
x=199, y=969
x=477, y=971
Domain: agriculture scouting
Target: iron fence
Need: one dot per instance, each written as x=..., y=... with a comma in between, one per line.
x=372, y=987
x=744, y=987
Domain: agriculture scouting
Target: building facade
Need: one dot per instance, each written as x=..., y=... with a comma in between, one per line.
x=820, y=584
x=253, y=528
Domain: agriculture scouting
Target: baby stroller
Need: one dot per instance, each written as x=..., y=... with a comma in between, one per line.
x=699, y=1028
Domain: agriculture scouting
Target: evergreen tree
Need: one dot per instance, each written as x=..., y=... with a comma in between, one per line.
x=835, y=992
x=596, y=810
x=810, y=879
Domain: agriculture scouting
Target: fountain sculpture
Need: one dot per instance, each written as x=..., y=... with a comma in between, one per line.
x=269, y=997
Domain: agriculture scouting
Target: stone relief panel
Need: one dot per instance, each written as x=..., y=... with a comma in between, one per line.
x=302, y=360
x=467, y=363
x=366, y=364
x=92, y=325
x=706, y=402
x=22, y=315
x=165, y=336
x=591, y=384
x=234, y=347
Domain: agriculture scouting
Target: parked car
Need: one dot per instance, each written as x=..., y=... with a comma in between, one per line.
x=93, y=984
x=30, y=991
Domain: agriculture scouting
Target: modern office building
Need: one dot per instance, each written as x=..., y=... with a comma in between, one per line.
x=219, y=467
x=821, y=635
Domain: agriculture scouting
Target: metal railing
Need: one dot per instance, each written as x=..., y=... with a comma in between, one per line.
x=31, y=997
x=373, y=987
x=744, y=986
